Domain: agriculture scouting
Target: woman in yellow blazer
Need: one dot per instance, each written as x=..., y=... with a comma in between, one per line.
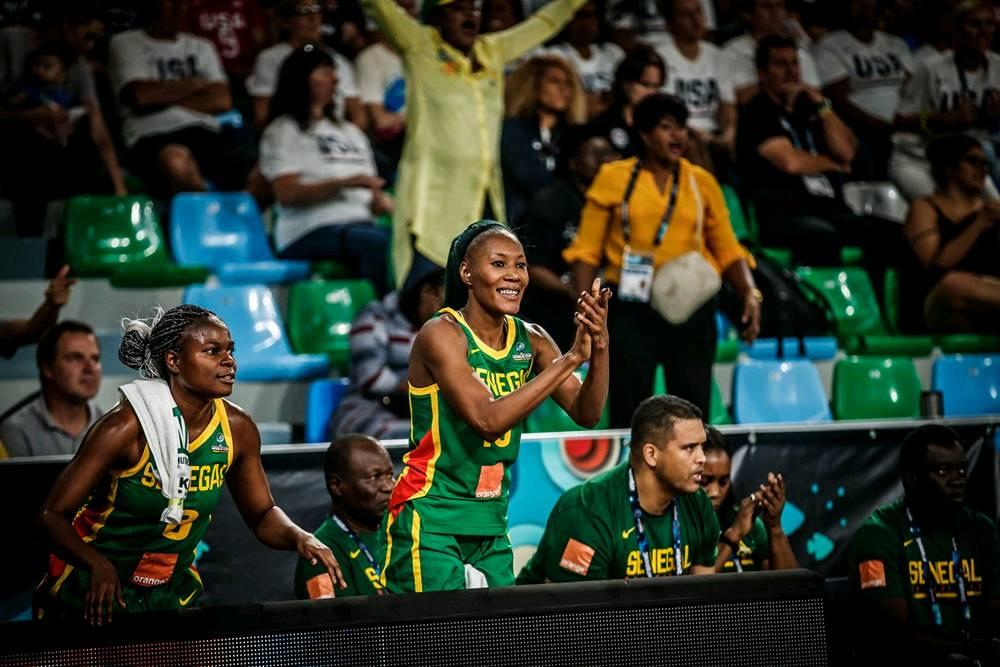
x=675, y=212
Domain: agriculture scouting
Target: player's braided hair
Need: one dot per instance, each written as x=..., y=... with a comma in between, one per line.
x=456, y=293
x=146, y=341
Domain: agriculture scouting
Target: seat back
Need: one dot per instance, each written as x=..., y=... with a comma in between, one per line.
x=214, y=228
x=105, y=233
x=851, y=297
x=876, y=388
x=320, y=313
x=323, y=400
x=876, y=198
x=251, y=315
x=778, y=391
x=969, y=383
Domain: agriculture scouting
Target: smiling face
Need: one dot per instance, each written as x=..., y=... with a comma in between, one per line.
x=716, y=477
x=205, y=365
x=496, y=271
x=680, y=461
x=667, y=141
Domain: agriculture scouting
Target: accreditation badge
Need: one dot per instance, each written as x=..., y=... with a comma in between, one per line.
x=819, y=186
x=636, y=280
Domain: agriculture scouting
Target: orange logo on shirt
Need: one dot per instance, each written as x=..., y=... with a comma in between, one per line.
x=872, y=574
x=154, y=569
x=576, y=557
x=320, y=586
x=490, y=481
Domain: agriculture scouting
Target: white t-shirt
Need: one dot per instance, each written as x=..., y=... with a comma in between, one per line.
x=597, y=72
x=379, y=72
x=703, y=83
x=644, y=17
x=325, y=150
x=742, y=51
x=928, y=52
x=264, y=80
x=936, y=86
x=135, y=56
x=874, y=71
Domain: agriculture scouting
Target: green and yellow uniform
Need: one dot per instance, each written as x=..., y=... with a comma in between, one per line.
x=313, y=581
x=121, y=519
x=449, y=506
x=753, y=548
x=885, y=562
x=591, y=534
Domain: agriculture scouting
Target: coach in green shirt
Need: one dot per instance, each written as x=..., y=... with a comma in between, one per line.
x=634, y=520
x=359, y=478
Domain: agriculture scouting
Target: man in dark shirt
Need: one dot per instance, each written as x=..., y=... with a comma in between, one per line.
x=794, y=150
x=549, y=225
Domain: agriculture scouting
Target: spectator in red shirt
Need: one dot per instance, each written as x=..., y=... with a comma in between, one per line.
x=238, y=28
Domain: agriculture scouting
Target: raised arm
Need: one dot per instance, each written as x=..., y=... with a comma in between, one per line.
x=439, y=354
x=400, y=29
x=772, y=497
x=536, y=29
x=113, y=443
x=252, y=494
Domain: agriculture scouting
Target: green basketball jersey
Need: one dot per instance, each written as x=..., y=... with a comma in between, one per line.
x=121, y=518
x=590, y=534
x=753, y=548
x=313, y=581
x=457, y=482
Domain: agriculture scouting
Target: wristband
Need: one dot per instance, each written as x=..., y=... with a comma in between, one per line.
x=825, y=107
x=756, y=294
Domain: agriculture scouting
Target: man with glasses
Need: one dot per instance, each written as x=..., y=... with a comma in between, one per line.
x=359, y=478
x=926, y=568
x=450, y=170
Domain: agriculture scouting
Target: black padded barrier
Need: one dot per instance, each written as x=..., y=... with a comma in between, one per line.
x=765, y=618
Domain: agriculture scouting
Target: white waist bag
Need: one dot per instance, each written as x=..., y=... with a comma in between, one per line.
x=683, y=285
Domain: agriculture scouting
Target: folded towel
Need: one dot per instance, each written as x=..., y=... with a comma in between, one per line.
x=475, y=578
x=167, y=437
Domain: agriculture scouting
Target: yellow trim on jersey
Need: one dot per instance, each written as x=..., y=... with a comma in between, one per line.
x=210, y=429
x=220, y=409
x=62, y=578
x=137, y=468
x=486, y=349
x=103, y=516
x=435, y=438
x=388, y=548
x=423, y=391
x=418, y=577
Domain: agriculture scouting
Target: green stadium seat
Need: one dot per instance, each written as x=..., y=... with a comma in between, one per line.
x=782, y=256
x=121, y=238
x=890, y=298
x=968, y=343
x=328, y=269
x=851, y=255
x=718, y=414
x=876, y=388
x=550, y=418
x=736, y=217
x=320, y=313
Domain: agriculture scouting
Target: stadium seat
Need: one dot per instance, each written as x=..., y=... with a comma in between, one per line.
x=718, y=413
x=320, y=313
x=778, y=391
x=873, y=388
x=736, y=218
x=324, y=397
x=968, y=343
x=879, y=199
x=728, y=346
x=816, y=348
x=120, y=238
x=550, y=418
x=969, y=384
x=224, y=232
x=890, y=300
x=857, y=316
x=262, y=351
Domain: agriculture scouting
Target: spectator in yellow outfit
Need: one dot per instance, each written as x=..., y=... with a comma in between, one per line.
x=449, y=174
x=675, y=213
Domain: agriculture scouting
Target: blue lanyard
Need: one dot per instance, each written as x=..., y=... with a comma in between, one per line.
x=640, y=530
x=667, y=215
x=810, y=144
x=956, y=561
x=357, y=542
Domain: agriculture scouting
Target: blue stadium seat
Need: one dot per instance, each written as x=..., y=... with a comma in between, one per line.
x=816, y=348
x=324, y=397
x=778, y=391
x=969, y=383
x=262, y=351
x=223, y=231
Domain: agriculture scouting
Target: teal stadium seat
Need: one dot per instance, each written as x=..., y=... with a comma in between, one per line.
x=778, y=391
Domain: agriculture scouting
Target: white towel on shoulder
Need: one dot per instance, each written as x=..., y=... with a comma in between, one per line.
x=167, y=437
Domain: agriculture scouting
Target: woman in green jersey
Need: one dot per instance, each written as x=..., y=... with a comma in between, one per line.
x=752, y=537
x=476, y=371
x=111, y=546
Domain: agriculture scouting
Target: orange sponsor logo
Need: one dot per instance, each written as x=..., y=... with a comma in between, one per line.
x=872, y=574
x=576, y=557
x=320, y=587
x=154, y=569
x=490, y=481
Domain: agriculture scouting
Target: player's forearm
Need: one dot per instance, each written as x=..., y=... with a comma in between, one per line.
x=66, y=543
x=780, y=552
x=274, y=529
x=589, y=402
x=839, y=139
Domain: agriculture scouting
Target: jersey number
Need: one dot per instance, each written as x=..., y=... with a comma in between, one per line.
x=181, y=530
x=502, y=441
